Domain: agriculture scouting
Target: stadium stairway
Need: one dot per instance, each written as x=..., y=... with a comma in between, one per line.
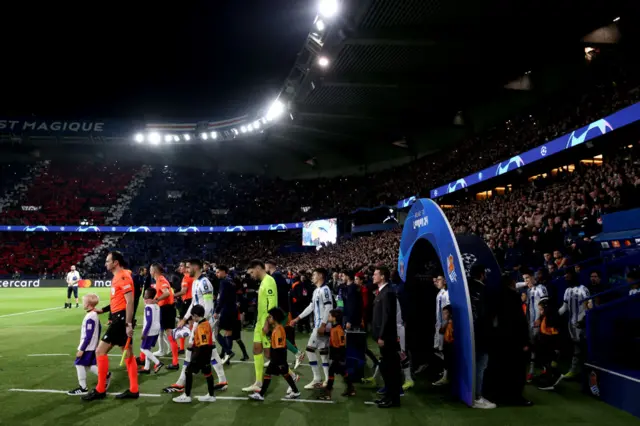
x=16, y=194
x=115, y=212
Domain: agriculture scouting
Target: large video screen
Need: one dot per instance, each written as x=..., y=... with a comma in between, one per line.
x=319, y=232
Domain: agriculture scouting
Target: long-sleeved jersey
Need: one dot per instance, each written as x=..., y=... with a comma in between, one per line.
x=442, y=300
x=226, y=303
x=267, y=299
x=202, y=292
x=90, y=332
x=321, y=304
x=573, y=302
x=151, y=320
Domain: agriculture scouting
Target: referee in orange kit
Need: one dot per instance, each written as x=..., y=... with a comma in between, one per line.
x=119, y=332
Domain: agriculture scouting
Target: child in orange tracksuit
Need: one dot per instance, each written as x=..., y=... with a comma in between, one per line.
x=338, y=356
x=548, y=346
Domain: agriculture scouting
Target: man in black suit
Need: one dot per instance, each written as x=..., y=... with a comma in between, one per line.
x=384, y=332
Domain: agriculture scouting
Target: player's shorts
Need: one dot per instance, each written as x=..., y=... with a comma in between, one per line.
x=72, y=290
x=184, y=307
x=149, y=342
x=576, y=334
x=259, y=336
x=278, y=367
x=168, y=317
x=116, y=333
x=318, y=342
x=87, y=359
x=227, y=321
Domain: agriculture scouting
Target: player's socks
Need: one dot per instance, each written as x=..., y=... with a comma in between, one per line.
x=103, y=370
x=292, y=348
x=132, y=371
x=216, y=363
x=229, y=341
x=143, y=355
x=265, y=384
x=313, y=362
x=330, y=381
x=243, y=348
x=183, y=372
x=82, y=376
x=532, y=366
x=325, y=365
x=181, y=340
x=174, y=349
x=258, y=363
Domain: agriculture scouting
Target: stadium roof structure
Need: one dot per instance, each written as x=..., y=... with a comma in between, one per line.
x=380, y=80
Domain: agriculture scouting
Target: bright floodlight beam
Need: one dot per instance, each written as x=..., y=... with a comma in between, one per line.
x=328, y=8
x=139, y=138
x=323, y=61
x=176, y=138
x=256, y=124
x=276, y=110
x=204, y=136
x=243, y=129
x=187, y=137
x=168, y=138
x=320, y=25
x=154, y=138
x=214, y=135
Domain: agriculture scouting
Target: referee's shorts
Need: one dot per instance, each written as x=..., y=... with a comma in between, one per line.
x=168, y=317
x=116, y=333
x=184, y=307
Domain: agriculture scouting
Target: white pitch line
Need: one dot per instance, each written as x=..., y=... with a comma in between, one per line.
x=146, y=395
x=28, y=312
x=153, y=395
x=312, y=401
x=48, y=355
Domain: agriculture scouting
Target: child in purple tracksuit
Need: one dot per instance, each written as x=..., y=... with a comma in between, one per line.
x=89, y=338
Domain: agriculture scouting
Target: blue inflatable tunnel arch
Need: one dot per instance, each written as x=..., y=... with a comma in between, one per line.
x=426, y=221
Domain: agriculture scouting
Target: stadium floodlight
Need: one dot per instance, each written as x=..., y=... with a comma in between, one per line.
x=187, y=137
x=234, y=131
x=214, y=135
x=256, y=124
x=176, y=138
x=276, y=110
x=154, y=138
x=204, y=136
x=264, y=120
x=139, y=138
x=323, y=61
x=168, y=138
x=250, y=127
x=328, y=8
x=243, y=129
x=320, y=25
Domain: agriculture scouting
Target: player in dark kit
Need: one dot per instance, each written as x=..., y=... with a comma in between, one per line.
x=120, y=330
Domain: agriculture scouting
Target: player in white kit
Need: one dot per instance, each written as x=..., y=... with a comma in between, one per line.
x=442, y=300
x=574, y=304
x=535, y=294
x=89, y=338
x=202, y=293
x=73, y=279
x=321, y=304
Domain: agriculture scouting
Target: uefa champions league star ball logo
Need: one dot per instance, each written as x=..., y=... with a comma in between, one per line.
x=138, y=229
x=188, y=229
x=543, y=151
x=468, y=259
x=435, y=192
x=480, y=176
x=35, y=229
x=457, y=185
x=234, y=229
x=513, y=163
x=601, y=125
x=87, y=229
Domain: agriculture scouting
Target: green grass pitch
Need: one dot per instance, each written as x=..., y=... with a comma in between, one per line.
x=53, y=330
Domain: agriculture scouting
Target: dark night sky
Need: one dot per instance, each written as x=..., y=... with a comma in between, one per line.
x=210, y=59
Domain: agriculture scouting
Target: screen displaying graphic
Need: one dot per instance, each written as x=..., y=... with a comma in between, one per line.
x=319, y=232
x=577, y=137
